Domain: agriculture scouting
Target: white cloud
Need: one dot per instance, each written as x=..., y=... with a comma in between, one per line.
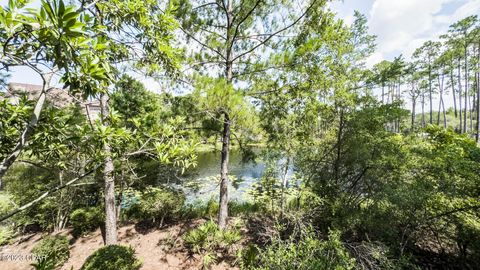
x=469, y=8
x=403, y=25
x=374, y=59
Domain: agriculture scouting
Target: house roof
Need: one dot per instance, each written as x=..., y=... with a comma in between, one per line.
x=58, y=97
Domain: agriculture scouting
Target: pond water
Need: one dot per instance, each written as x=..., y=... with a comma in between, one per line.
x=202, y=182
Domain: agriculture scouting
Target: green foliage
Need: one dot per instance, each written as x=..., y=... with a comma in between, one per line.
x=12, y=121
x=6, y=233
x=59, y=149
x=135, y=103
x=87, y=219
x=156, y=204
x=52, y=252
x=41, y=214
x=209, y=209
x=60, y=36
x=306, y=253
x=208, y=240
x=7, y=229
x=113, y=257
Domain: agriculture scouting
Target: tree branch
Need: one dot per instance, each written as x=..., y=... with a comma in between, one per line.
x=276, y=33
x=45, y=195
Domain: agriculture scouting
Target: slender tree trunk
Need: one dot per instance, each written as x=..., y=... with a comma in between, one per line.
x=430, y=91
x=224, y=181
x=466, y=96
x=109, y=182
x=414, y=104
x=440, y=90
x=439, y=110
x=339, y=147
x=477, y=134
x=452, y=81
x=284, y=184
x=471, y=104
x=423, y=109
x=460, y=93
x=58, y=222
x=444, y=114
x=29, y=129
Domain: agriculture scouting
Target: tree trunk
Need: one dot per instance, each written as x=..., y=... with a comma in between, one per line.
x=284, y=184
x=423, y=109
x=414, y=104
x=466, y=95
x=29, y=129
x=224, y=182
x=477, y=134
x=444, y=114
x=440, y=90
x=430, y=91
x=109, y=181
x=460, y=93
x=470, y=111
x=339, y=147
x=453, y=93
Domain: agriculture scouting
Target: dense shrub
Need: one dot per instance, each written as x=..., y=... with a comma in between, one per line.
x=114, y=257
x=85, y=220
x=52, y=252
x=208, y=240
x=6, y=233
x=6, y=228
x=156, y=204
x=308, y=253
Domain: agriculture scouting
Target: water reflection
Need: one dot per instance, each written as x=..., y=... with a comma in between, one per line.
x=202, y=182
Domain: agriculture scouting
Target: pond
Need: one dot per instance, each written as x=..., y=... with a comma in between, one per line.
x=202, y=182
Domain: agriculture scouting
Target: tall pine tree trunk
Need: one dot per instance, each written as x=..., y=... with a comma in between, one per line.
x=430, y=91
x=440, y=92
x=444, y=114
x=460, y=93
x=477, y=134
x=109, y=183
x=466, y=96
x=414, y=104
x=224, y=181
x=423, y=109
x=452, y=81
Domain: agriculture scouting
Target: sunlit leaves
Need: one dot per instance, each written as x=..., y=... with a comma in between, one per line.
x=59, y=37
x=13, y=119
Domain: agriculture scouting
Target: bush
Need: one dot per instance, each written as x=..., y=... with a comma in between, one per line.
x=208, y=240
x=52, y=252
x=156, y=204
x=307, y=253
x=85, y=220
x=6, y=234
x=113, y=257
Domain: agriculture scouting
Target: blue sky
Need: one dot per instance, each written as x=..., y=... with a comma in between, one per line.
x=401, y=26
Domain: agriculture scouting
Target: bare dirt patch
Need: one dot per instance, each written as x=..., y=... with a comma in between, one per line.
x=158, y=249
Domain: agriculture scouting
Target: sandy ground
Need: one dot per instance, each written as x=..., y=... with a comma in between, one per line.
x=158, y=249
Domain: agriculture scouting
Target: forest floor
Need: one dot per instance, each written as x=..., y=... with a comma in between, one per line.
x=157, y=248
